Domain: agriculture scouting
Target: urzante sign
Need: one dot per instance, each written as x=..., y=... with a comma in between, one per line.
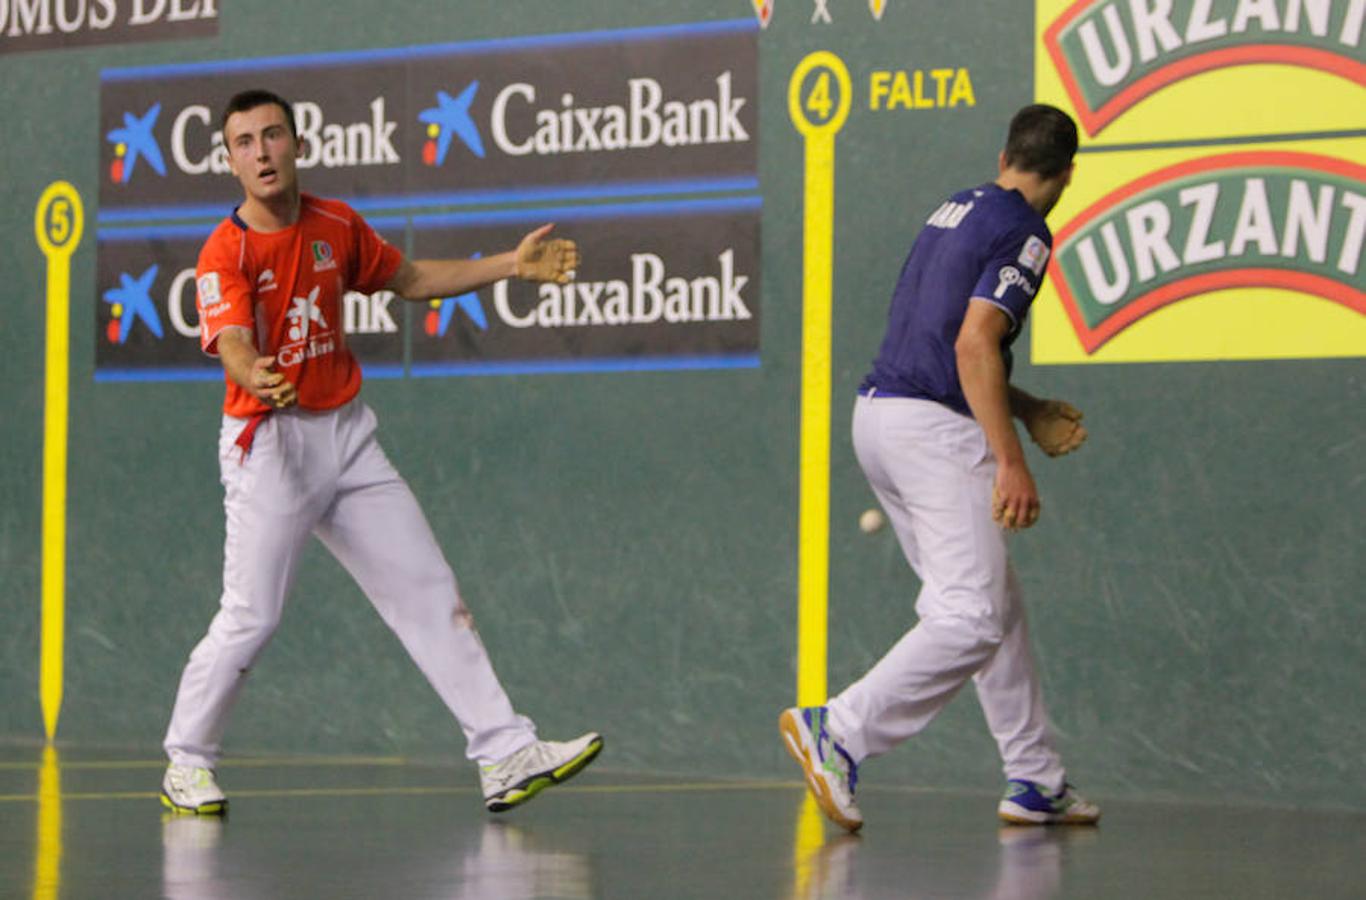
x=1219, y=204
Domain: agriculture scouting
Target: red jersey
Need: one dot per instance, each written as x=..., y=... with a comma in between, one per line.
x=287, y=287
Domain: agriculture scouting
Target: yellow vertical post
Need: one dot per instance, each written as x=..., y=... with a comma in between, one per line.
x=817, y=116
x=47, y=866
x=58, y=224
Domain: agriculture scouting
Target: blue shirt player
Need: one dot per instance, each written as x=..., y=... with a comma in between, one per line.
x=933, y=433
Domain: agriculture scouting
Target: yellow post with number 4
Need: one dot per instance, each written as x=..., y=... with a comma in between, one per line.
x=817, y=116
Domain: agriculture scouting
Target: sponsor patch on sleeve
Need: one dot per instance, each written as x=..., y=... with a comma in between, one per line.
x=209, y=293
x=1034, y=254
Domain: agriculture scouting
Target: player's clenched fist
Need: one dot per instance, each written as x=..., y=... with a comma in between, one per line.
x=1055, y=426
x=270, y=385
x=539, y=259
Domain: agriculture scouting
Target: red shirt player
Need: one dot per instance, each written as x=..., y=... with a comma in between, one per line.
x=298, y=456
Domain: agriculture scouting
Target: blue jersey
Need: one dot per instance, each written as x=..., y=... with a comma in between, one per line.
x=985, y=242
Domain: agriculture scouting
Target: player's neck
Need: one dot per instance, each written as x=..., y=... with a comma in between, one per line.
x=1030, y=186
x=271, y=214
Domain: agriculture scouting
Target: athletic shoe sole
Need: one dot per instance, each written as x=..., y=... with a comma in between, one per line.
x=218, y=808
x=533, y=785
x=791, y=731
x=1015, y=814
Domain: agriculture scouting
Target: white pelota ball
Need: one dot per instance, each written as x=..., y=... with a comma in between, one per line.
x=871, y=521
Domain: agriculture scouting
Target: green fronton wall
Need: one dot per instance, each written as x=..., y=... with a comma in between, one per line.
x=628, y=541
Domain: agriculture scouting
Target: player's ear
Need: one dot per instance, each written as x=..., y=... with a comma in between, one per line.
x=1001, y=161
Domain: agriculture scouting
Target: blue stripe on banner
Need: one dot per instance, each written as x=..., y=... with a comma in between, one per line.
x=565, y=366
x=116, y=375
x=588, y=213
x=495, y=45
x=153, y=232
x=167, y=374
x=170, y=232
x=460, y=198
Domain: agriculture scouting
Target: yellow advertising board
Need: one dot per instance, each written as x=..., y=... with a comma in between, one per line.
x=1219, y=203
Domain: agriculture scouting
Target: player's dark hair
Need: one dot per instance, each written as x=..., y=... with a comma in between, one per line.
x=1042, y=139
x=243, y=101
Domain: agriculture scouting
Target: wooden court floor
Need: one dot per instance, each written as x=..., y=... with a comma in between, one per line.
x=91, y=827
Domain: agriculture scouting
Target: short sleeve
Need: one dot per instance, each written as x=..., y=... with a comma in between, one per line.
x=1013, y=275
x=376, y=261
x=222, y=290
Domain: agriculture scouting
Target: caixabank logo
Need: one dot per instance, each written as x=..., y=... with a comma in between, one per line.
x=1112, y=55
x=134, y=141
x=163, y=146
x=1270, y=219
x=587, y=111
x=615, y=112
x=663, y=285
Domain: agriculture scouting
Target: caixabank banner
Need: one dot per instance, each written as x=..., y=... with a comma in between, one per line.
x=663, y=285
x=574, y=115
x=614, y=120
x=1217, y=210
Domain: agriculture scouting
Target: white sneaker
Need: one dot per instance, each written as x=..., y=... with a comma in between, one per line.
x=515, y=780
x=830, y=772
x=192, y=790
x=1027, y=803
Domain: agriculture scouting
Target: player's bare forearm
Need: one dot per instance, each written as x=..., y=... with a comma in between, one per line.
x=429, y=279
x=982, y=373
x=536, y=258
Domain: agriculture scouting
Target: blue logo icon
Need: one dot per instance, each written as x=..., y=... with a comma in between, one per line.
x=134, y=141
x=450, y=116
x=132, y=300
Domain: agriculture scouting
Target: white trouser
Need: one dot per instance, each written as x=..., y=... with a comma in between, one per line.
x=325, y=474
x=933, y=473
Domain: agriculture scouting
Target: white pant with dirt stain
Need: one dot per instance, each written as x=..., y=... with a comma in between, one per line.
x=933, y=473
x=324, y=473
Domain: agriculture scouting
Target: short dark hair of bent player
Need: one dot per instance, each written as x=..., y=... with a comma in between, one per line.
x=1042, y=139
x=244, y=101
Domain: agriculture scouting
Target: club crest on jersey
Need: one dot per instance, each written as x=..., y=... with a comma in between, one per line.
x=1034, y=255
x=1287, y=220
x=322, y=257
x=209, y=294
x=1111, y=55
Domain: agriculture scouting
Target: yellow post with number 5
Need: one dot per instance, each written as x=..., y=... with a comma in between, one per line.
x=57, y=225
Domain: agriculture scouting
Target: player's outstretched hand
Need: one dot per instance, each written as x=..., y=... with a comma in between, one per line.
x=539, y=259
x=270, y=386
x=1055, y=425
